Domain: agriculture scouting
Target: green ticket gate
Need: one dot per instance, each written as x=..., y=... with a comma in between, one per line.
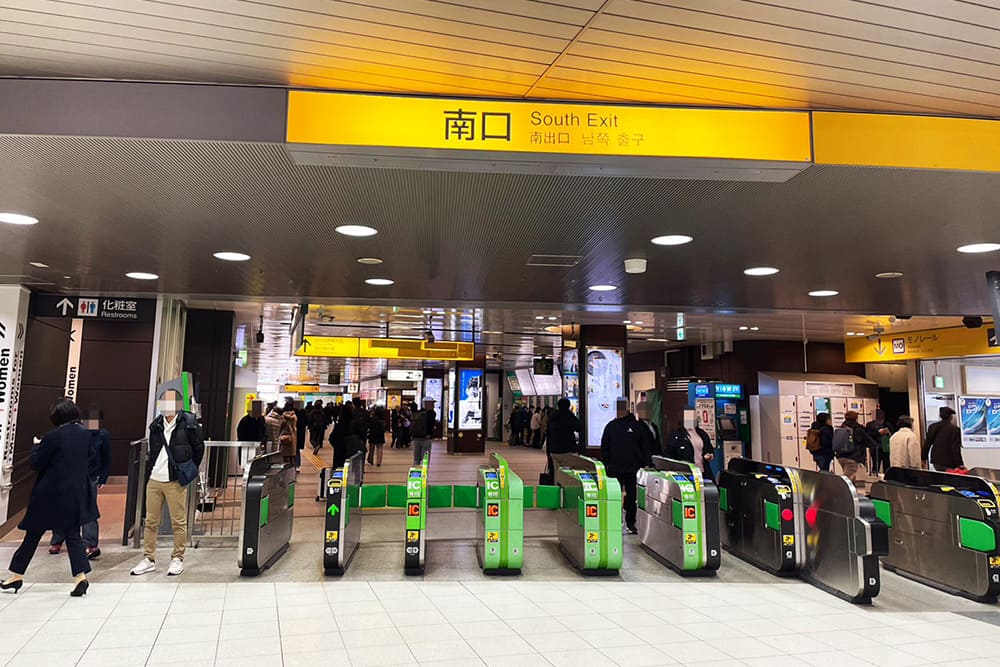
x=678, y=517
x=342, y=519
x=416, y=518
x=500, y=543
x=268, y=511
x=590, y=515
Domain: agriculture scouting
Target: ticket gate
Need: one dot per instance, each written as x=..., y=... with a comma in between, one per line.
x=416, y=518
x=943, y=529
x=678, y=517
x=794, y=522
x=500, y=530
x=267, y=511
x=590, y=515
x=342, y=519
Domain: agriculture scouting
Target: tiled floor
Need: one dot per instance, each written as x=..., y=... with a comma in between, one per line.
x=576, y=623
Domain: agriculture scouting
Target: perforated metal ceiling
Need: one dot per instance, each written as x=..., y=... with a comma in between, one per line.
x=920, y=55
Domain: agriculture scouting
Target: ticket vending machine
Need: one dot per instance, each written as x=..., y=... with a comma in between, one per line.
x=722, y=411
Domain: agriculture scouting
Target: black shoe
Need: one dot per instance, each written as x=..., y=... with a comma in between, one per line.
x=12, y=586
x=93, y=554
x=632, y=530
x=80, y=589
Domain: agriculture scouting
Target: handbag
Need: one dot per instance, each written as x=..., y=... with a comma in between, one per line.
x=187, y=472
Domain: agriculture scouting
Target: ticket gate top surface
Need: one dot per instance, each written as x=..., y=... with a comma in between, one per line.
x=342, y=519
x=500, y=544
x=678, y=516
x=945, y=529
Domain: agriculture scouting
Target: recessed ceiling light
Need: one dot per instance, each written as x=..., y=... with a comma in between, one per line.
x=539, y=317
x=824, y=292
x=603, y=288
x=889, y=274
x=17, y=219
x=626, y=321
x=850, y=333
x=974, y=248
x=754, y=328
x=744, y=328
x=39, y=265
x=230, y=256
x=356, y=230
x=637, y=322
x=761, y=271
x=380, y=282
x=369, y=260
x=672, y=239
x=553, y=318
x=141, y=275
x=657, y=340
x=491, y=332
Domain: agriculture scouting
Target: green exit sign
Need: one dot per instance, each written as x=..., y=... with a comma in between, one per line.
x=938, y=382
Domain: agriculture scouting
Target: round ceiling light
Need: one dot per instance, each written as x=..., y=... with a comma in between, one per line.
x=603, y=288
x=230, y=256
x=141, y=275
x=17, y=219
x=889, y=274
x=754, y=328
x=824, y=292
x=539, y=317
x=849, y=333
x=380, y=282
x=553, y=318
x=672, y=239
x=39, y=265
x=761, y=271
x=744, y=328
x=356, y=230
x=975, y=248
x=369, y=260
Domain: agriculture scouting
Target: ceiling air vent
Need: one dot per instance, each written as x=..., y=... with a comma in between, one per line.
x=7, y=279
x=564, y=261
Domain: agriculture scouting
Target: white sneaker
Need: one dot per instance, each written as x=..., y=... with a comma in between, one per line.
x=176, y=567
x=145, y=566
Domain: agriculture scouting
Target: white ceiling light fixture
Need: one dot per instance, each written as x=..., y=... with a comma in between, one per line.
x=380, y=282
x=824, y=292
x=356, y=230
x=761, y=271
x=850, y=333
x=978, y=248
x=141, y=275
x=553, y=318
x=603, y=288
x=657, y=340
x=637, y=322
x=886, y=275
x=371, y=261
x=635, y=265
x=744, y=328
x=231, y=256
x=39, y=265
x=672, y=239
x=17, y=219
x=754, y=328
x=539, y=317
x=626, y=321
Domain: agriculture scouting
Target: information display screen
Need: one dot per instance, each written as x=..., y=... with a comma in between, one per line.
x=434, y=389
x=470, y=399
x=604, y=387
x=526, y=381
x=548, y=385
x=571, y=379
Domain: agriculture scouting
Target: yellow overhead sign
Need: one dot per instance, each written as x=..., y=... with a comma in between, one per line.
x=349, y=119
x=929, y=344
x=301, y=388
x=916, y=142
x=384, y=348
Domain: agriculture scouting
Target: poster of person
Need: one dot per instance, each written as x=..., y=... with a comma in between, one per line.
x=604, y=387
x=470, y=399
x=571, y=379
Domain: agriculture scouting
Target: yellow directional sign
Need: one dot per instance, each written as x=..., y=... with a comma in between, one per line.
x=350, y=119
x=928, y=344
x=384, y=348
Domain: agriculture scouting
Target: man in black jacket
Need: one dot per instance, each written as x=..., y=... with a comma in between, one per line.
x=175, y=437
x=943, y=443
x=563, y=429
x=863, y=442
x=624, y=450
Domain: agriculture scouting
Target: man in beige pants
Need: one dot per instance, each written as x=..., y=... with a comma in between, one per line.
x=175, y=440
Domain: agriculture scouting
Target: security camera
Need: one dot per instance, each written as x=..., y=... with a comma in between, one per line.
x=260, y=337
x=429, y=336
x=972, y=321
x=903, y=317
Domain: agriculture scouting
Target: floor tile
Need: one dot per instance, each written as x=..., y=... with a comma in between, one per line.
x=68, y=642
x=307, y=626
x=115, y=657
x=692, y=652
x=334, y=657
x=371, y=637
x=637, y=656
x=61, y=658
x=534, y=626
x=364, y=622
x=421, y=633
x=577, y=658
x=495, y=647
x=113, y=637
x=179, y=654
x=609, y=638
x=296, y=644
x=273, y=660
x=480, y=629
x=548, y=642
x=748, y=647
x=375, y=656
x=436, y=650
x=520, y=660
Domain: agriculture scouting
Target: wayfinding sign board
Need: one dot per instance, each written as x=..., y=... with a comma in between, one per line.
x=106, y=308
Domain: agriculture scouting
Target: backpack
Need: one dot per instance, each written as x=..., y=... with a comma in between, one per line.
x=843, y=441
x=813, y=443
x=418, y=425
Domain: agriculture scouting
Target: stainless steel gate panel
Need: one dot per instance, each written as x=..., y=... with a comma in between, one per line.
x=342, y=519
x=843, y=537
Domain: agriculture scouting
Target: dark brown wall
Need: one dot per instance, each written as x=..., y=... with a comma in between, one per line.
x=208, y=355
x=43, y=378
x=115, y=361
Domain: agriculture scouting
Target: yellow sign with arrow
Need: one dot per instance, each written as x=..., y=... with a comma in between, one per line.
x=926, y=344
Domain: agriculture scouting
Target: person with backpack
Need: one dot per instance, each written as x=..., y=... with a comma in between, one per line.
x=851, y=443
x=344, y=438
x=317, y=426
x=624, y=450
x=422, y=429
x=819, y=441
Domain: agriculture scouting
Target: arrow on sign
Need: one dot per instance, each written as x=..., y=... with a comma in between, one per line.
x=880, y=348
x=333, y=510
x=64, y=305
x=72, y=332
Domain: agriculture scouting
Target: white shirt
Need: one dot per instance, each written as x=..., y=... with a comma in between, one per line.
x=161, y=469
x=536, y=421
x=904, y=449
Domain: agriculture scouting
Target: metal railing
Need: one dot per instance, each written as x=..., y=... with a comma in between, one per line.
x=214, y=499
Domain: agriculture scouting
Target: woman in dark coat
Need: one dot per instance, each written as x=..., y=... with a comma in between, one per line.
x=63, y=498
x=342, y=437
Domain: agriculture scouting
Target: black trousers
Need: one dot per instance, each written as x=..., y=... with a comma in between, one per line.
x=629, y=494
x=74, y=546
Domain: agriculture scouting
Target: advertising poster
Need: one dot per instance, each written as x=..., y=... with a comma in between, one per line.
x=704, y=411
x=604, y=387
x=973, y=413
x=434, y=389
x=470, y=399
x=993, y=420
x=571, y=379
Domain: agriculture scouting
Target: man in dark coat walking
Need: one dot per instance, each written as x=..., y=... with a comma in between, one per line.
x=624, y=450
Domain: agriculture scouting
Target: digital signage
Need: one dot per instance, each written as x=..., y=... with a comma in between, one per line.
x=470, y=399
x=604, y=388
